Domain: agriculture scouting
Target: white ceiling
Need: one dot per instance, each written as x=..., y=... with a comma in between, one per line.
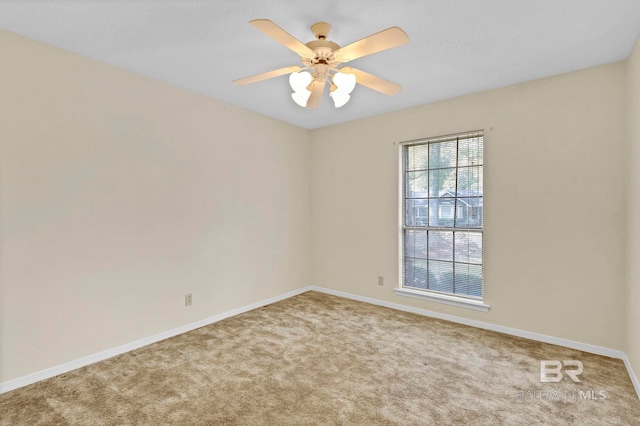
x=456, y=47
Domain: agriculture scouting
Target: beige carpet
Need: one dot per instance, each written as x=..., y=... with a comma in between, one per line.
x=317, y=359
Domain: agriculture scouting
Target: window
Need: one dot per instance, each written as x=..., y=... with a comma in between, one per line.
x=442, y=224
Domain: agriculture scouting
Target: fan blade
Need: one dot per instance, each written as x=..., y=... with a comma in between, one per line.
x=316, y=95
x=372, y=82
x=266, y=75
x=385, y=39
x=283, y=37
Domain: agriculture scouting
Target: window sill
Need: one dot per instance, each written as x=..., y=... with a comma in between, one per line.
x=443, y=298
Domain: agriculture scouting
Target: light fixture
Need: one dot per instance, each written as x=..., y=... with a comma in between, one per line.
x=299, y=82
x=301, y=98
x=339, y=98
x=342, y=85
x=345, y=82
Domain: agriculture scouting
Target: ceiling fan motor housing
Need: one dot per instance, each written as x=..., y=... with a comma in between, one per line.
x=323, y=48
x=321, y=30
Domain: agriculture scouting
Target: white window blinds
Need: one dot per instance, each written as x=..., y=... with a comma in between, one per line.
x=442, y=207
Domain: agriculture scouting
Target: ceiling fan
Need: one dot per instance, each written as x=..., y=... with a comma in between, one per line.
x=322, y=58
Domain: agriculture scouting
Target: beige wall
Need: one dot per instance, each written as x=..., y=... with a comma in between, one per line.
x=119, y=194
x=633, y=255
x=554, y=202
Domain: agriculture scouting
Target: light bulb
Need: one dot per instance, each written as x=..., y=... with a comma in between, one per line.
x=345, y=82
x=300, y=80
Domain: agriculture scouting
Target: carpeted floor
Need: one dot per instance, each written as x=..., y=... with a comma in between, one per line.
x=316, y=359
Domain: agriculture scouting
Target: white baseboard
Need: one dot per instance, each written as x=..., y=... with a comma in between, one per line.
x=109, y=353
x=632, y=375
x=72, y=365
x=585, y=347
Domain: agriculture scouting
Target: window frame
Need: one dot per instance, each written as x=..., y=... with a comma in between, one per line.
x=470, y=302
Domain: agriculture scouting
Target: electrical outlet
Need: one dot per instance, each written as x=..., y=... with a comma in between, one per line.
x=381, y=280
x=188, y=300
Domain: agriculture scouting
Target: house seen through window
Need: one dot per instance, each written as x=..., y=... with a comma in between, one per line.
x=442, y=225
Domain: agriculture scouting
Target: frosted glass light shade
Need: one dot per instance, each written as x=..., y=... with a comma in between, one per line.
x=345, y=82
x=339, y=98
x=301, y=97
x=300, y=80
